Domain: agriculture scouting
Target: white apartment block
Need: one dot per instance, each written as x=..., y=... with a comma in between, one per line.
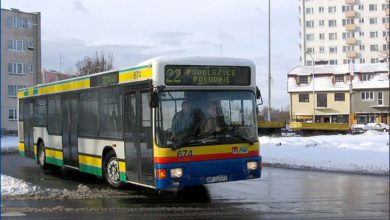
x=344, y=31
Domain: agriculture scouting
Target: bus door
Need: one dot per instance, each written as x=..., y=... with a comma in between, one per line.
x=28, y=127
x=138, y=137
x=69, y=130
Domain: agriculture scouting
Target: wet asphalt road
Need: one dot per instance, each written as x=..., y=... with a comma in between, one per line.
x=280, y=193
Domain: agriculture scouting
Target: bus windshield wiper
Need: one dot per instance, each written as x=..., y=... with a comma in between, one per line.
x=246, y=139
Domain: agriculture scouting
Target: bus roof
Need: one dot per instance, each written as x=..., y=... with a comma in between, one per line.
x=140, y=72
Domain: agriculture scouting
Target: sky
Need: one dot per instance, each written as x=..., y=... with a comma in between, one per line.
x=134, y=31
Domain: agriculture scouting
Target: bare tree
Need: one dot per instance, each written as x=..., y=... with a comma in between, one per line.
x=281, y=114
x=101, y=62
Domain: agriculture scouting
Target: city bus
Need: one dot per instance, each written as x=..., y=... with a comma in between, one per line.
x=165, y=123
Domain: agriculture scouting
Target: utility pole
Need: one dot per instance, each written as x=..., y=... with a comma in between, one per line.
x=269, y=61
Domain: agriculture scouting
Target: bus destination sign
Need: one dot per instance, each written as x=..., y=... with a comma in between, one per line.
x=191, y=75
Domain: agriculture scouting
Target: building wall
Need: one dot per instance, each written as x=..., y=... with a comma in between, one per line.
x=361, y=31
x=370, y=106
x=30, y=55
x=333, y=107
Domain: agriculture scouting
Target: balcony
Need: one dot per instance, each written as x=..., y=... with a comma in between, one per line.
x=350, y=14
x=351, y=54
x=350, y=2
x=350, y=27
x=351, y=41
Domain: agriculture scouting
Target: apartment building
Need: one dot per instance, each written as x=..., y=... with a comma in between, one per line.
x=338, y=32
x=348, y=93
x=20, y=60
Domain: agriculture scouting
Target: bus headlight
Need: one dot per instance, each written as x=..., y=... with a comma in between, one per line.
x=177, y=172
x=251, y=165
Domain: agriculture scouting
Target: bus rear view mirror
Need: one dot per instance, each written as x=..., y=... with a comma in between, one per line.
x=258, y=95
x=154, y=100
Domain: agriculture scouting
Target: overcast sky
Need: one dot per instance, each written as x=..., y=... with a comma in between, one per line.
x=134, y=31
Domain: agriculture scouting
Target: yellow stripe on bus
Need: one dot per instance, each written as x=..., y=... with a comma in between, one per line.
x=80, y=84
x=54, y=153
x=35, y=149
x=21, y=147
x=122, y=166
x=203, y=150
x=135, y=75
x=91, y=161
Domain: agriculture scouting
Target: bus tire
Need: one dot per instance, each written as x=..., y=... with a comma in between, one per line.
x=111, y=171
x=42, y=156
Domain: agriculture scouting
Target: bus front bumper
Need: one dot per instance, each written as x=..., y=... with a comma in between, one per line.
x=205, y=172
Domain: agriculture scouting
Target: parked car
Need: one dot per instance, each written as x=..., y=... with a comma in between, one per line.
x=378, y=127
x=359, y=128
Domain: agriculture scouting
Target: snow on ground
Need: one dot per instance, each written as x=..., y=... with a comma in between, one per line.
x=365, y=153
x=9, y=143
x=13, y=186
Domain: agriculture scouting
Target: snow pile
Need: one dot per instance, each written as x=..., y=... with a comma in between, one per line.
x=365, y=153
x=9, y=143
x=13, y=186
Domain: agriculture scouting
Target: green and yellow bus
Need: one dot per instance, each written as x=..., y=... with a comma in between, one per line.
x=166, y=123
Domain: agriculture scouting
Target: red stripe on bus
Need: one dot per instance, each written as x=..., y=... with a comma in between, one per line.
x=204, y=157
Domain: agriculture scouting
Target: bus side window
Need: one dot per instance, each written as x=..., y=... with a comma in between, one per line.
x=54, y=115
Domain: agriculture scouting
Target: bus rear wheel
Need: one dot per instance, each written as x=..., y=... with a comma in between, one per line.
x=111, y=170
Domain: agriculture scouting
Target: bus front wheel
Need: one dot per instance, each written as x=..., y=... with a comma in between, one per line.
x=111, y=170
x=42, y=156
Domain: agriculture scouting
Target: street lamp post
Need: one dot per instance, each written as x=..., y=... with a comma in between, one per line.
x=314, y=97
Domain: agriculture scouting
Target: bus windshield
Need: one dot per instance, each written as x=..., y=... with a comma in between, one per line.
x=194, y=118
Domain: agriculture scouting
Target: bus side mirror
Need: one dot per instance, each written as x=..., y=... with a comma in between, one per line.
x=154, y=100
x=258, y=95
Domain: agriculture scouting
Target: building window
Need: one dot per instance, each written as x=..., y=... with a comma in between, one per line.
x=19, y=68
x=348, y=48
x=363, y=60
x=322, y=36
x=384, y=47
x=361, y=7
x=19, y=45
x=332, y=23
x=332, y=9
x=332, y=36
x=321, y=23
x=303, y=79
x=385, y=6
x=309, y=63
x=348, y=21
x=373, y=34
x=332, y=49
x=361, y=47
x=373, y=21
x=374, y=60
x=385, y=20
x=361, y=20
x=340, y=97
x=310, y=50
x=322, y=49
x=333, y=62
x=347, y=8
x=372, y=7
x=386, y=33
x=361, y=34
x=374, y=47
x=380, y=98
x=321, y=9
x=309, y=10
x=13, y=90
x=366, y=76
x=367, y=96
x=339, y=78
x=303, y=97
x=309, y=37
x=310, y=24
x=12, y=115
x=322, y=101
x=348, y=35
x=17, y=22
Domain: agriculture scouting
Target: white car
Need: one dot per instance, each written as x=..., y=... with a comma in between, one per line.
x=359, y=128
x=378, y=127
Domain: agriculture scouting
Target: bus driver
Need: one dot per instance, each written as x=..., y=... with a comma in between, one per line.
x=182, y=121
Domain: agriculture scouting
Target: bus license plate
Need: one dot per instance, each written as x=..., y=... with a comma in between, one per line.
x=214, y=179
